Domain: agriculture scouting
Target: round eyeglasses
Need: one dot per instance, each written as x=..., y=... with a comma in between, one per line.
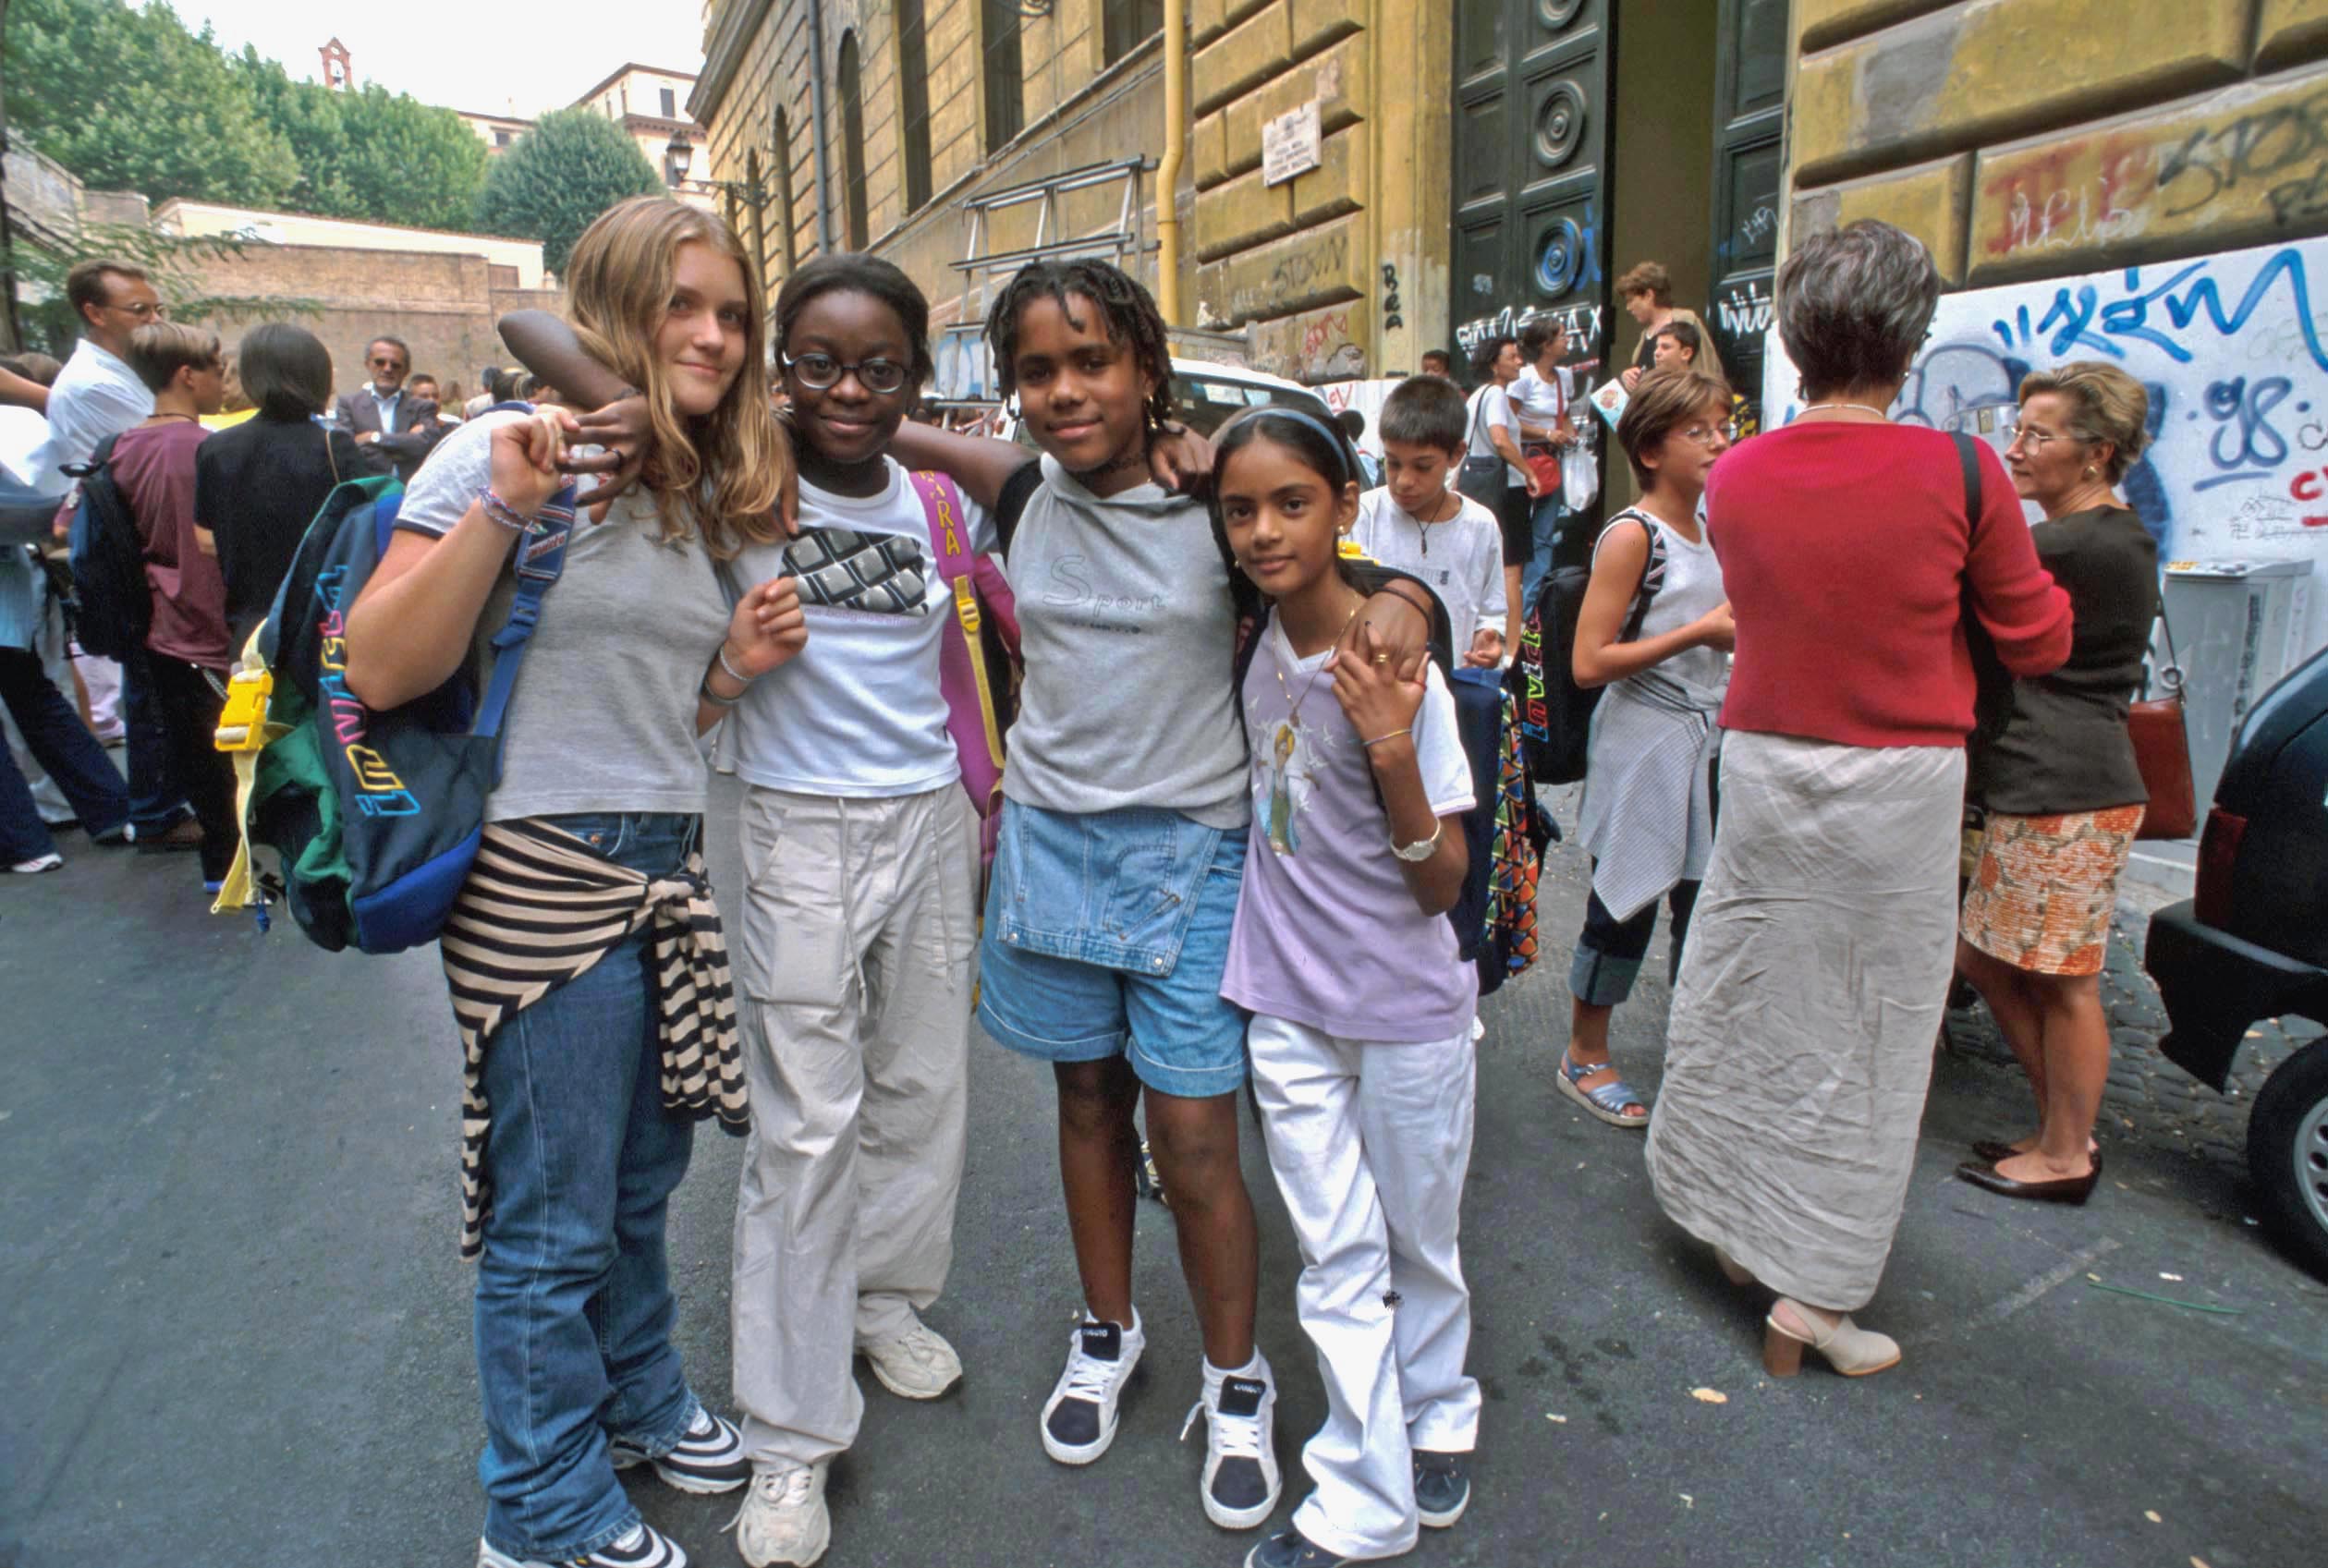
x=821, y=373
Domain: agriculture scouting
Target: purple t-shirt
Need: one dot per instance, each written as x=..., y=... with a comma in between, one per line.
x=1327, y=934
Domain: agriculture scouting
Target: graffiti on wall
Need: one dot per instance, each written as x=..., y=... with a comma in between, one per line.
x=2233, y=350
x=1583, y=323
x=2249, y=159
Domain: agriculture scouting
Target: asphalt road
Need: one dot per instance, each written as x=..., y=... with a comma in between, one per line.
x=234, y=1330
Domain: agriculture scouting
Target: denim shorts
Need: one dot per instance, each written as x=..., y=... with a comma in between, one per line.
x=1106, y=935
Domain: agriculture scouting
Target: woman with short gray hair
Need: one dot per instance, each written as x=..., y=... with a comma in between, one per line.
x=1800, y=1042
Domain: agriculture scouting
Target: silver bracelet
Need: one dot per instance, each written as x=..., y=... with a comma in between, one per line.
x=1412, y=853
x=732, y=672
x=703, y=690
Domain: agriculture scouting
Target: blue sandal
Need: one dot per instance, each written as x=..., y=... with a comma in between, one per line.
x=1608, y=1102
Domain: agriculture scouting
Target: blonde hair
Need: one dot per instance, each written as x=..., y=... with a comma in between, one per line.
x=158, y=350
x=717, y=477
x=1663, y=402
x=2105, y=404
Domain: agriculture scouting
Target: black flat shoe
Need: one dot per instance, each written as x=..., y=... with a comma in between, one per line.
x=1995, y=1149
x=2073, y=1190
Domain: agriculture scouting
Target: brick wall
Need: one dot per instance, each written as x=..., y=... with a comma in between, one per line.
x=444, y=306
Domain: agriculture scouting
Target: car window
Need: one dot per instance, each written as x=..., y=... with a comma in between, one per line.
x=1206, y=403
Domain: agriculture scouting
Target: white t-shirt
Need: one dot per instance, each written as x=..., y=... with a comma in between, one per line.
x=1462, y=559
x=95, y=396
x=1490, y=406
x=1541, y=399
x=858, y=712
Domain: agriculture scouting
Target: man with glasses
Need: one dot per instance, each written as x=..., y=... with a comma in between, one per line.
x=98, y=396
x=395, y=427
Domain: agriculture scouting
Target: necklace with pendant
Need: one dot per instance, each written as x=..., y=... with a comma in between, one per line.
x=1278, y=664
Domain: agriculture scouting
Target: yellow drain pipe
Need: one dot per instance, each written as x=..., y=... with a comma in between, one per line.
x=1176, y=151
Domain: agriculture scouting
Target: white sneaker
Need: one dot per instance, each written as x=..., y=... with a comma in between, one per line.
x=38, y=864
x=917, y=1363
x=644, y=1547
x=1241, y=1482
x=784, y=1518
x=1079, y=1421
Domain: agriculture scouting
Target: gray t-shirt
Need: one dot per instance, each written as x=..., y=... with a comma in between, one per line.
x=1129, y=638
x=604, y=716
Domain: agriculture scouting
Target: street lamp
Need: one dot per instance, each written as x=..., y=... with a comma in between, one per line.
x=678, y=155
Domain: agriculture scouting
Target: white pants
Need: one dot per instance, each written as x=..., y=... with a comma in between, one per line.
x=859, y=942
x=1370, y=1144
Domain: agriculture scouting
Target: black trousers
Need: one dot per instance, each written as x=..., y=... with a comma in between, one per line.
x=1609, y=951
x=189, y=707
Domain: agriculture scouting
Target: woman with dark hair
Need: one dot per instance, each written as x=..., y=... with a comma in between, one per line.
x=1494, y=473
x=258, y=484
x=1799, y=1047
x=2058, y=780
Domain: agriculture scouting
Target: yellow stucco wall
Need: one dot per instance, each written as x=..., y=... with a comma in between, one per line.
x=1342, y=271
x=2027, y=139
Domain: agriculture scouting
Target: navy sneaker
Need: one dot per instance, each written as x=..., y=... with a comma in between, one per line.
x=1079, y=1420
x=643, y=1547
x=1240, y=1485
x=1292, y=1550
x=1442, y=1490
x=709, y=1457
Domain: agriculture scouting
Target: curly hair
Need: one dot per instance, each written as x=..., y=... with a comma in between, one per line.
x=1126, y=310
x=2107, y=404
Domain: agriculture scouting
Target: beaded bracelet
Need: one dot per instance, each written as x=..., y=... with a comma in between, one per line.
x=501, y=511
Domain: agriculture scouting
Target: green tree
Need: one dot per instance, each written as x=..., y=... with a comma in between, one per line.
x=371, y=154
x=129, y=99
x=557, y=179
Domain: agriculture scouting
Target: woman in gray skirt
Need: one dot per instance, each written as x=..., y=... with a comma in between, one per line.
x=1801, y=1037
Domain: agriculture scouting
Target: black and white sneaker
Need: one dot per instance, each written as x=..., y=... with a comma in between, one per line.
x=1442, y=1489
x=1079, y=1421
x=644, y=1547
x=1240, y=1483
x=1292, y=1550
x=708, y=1458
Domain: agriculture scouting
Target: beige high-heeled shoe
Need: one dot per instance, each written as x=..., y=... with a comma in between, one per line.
x=1850, y=1349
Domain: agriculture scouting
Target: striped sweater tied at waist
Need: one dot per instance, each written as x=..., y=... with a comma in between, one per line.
x=541, y=907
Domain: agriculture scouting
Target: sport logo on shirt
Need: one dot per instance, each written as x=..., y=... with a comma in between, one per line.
x=881, y=574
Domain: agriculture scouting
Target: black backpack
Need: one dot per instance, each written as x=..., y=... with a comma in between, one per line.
x=1555, y=714
x=114, y=608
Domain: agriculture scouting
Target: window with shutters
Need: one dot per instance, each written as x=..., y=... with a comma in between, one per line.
x=783, y=195
x=913, y=102
x=1126, y=24
x=1005, y=75
x=853, y=147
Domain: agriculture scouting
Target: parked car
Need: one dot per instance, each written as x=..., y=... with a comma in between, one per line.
x=1205, y=396
x=2253, y=944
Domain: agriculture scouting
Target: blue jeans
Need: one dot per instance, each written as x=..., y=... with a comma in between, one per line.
x=1545, y=526
x=62, y=744
x=574, y=1306
x=157, y=796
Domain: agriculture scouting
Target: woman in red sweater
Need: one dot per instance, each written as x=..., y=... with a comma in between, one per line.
x=1802, y=1036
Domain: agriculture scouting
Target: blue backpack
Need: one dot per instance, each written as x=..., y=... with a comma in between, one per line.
x=373, y=817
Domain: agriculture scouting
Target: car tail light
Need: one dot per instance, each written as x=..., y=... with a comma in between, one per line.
x=2218, y=852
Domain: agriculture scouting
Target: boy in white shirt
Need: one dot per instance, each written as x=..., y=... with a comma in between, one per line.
x=1419, y=523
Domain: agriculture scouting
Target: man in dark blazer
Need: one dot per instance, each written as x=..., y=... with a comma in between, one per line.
x=393, y=429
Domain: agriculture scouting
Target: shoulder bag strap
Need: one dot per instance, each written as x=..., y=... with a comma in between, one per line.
x=1653, y=579
x=540, y=560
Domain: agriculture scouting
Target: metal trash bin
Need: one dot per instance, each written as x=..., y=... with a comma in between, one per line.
x=2238, y=627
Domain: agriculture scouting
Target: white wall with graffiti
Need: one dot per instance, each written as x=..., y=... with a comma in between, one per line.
x=2233, y=351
